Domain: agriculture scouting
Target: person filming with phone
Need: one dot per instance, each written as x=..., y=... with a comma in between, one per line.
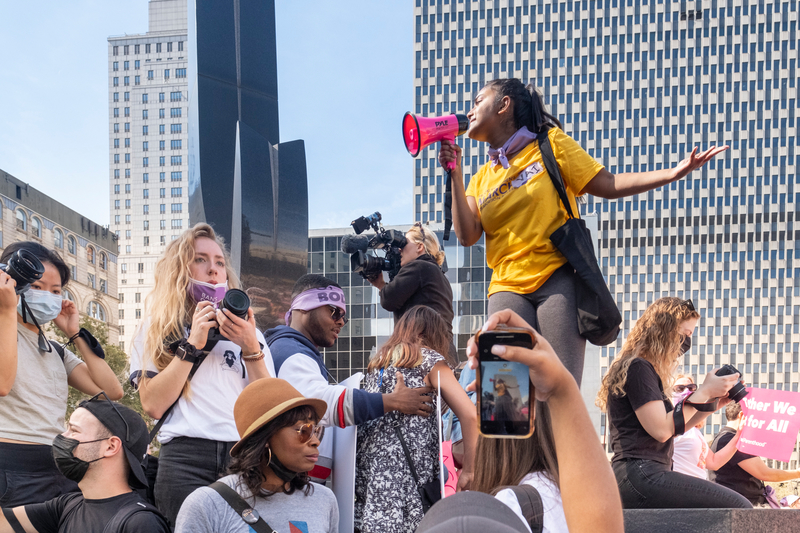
x=581, y=467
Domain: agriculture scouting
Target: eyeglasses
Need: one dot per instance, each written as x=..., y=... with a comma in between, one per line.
x=337, y=313
x=691, y=387
x=306, y=431
x=96, y=397
x=689, y=305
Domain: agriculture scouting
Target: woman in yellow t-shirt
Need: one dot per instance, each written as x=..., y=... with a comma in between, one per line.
x=513, y=201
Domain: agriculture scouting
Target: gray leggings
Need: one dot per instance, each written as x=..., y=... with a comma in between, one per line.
x=552, y=311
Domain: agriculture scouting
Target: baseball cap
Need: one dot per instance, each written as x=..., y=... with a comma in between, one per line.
x=125, y=423
x=471, y=512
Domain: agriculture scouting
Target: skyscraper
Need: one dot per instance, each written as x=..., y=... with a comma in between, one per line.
x=147, y=100
x=638, y=85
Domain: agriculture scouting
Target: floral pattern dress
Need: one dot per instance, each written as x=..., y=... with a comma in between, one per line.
x=387, y=500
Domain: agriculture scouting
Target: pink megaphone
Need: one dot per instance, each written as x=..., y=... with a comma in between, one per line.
x=419, y=132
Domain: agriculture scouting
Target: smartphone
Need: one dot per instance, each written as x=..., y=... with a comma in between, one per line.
x=505, y=393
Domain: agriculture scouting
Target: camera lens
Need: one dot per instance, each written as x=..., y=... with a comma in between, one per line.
x=737, y=392
x=237, y=302
x=24, y=268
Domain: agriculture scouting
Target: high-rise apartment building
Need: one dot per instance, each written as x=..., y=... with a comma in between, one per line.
x=147, y=114
x=638, y=85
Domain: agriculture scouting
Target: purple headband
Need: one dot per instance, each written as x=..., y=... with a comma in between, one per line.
x=313, y=298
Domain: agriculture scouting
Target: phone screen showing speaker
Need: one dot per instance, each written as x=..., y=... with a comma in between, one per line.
x=504, y=387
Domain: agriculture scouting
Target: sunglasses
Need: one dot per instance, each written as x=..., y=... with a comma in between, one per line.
x=306, y=431
x=96, y=398
x=680, y=388
x=689, y=305
x=337, y=313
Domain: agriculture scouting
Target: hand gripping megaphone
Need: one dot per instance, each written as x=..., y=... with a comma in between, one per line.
x=419, y=132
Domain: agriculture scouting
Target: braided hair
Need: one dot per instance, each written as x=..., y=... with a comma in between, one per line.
x=529, y=109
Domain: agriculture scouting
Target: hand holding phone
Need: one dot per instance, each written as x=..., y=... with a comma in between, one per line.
x=547, y=373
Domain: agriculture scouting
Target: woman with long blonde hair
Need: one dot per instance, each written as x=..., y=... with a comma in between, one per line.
x=636, y=394
x=173, y=348
x=387, y=497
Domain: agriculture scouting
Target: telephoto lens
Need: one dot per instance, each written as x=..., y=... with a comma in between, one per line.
x=738, y=391
x=24, y=268
x=237, y=302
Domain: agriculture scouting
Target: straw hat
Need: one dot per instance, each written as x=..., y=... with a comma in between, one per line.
x=264, y=400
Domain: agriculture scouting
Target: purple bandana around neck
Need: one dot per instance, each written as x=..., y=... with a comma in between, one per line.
x=521, y=138
x=313, y=298
x=206, y=292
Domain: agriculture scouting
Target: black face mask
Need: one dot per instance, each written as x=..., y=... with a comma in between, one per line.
x=281, y=471
x=686, y=345
x=73, y=468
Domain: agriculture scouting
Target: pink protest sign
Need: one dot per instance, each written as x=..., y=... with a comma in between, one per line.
x=771, y=422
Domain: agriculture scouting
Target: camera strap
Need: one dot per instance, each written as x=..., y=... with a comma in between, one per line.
x=44, y=344
x=708, y=407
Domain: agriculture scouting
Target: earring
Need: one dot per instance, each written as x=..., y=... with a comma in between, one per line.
x=270, y=455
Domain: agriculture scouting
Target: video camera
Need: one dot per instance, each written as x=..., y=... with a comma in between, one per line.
x=390, y=241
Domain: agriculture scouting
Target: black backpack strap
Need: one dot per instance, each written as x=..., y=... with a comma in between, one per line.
x=58, y=348
x=117, y=523
x=8, y=513
x=531, y=504
x=553, y=171
x=242, y=508
x=407, y=454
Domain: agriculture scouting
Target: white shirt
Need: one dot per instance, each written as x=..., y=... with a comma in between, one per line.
x=554, y=519
x=208, y=411
x=689, y=455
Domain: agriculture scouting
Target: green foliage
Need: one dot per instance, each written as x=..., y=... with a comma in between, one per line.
x=116, y=359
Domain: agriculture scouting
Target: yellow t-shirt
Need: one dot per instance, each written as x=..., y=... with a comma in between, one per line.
x=520, y=209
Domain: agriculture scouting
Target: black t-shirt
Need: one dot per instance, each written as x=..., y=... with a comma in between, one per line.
x=419, y=282
x=90, y=516
x=629, y=439
x=732, y=475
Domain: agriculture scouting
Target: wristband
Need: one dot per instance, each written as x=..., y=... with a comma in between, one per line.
x=94, y=345
x=185, y=351
x=255, y=357
x=678, y=420
x=708, y=407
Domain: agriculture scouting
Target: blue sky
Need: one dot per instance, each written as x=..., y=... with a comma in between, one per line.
x=345, y=79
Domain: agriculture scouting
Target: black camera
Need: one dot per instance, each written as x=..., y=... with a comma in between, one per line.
x=235, y=301
x=24, y=268
x=738, y=391
x=389, y=241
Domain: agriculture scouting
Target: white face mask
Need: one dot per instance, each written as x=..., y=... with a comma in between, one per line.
x=44, y=305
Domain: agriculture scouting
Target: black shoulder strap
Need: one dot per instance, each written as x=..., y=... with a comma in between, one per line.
x=8, y=513
x=237, y=503
x=551, y=165
x=531, y=504
x=407, y=454
x=58, y=348
x=117, y=523
x=163, y=418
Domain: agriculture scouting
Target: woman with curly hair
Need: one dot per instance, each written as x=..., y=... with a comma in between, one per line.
x=643, y=420
x=171, y=350
x=280, y=435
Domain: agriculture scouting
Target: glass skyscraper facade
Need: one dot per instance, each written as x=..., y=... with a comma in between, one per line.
x=639, y=83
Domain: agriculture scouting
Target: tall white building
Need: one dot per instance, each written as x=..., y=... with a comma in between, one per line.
x=148, y=113
x=638, y=85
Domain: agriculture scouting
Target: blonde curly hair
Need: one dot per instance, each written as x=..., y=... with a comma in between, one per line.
x=656, y=339
x=169, y=307
x=424, y=236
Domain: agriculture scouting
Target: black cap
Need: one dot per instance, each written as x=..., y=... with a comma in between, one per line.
x=471, y=512
x=125, y=423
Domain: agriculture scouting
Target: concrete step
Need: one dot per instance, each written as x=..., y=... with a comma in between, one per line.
x=712, y=520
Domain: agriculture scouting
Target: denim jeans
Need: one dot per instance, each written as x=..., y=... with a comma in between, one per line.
x=186, y=464
x=29, y=475
x=552, y=310
x=645, y=484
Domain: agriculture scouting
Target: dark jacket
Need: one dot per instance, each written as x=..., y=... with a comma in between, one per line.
x=420, y=282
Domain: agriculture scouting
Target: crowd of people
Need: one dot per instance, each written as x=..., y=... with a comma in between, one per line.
x=243, y=413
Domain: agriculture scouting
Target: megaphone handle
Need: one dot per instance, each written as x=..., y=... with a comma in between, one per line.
x=448, y=204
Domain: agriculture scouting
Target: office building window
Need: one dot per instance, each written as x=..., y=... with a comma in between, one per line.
x=116, y=127
x=127, y=158
x=161, y=129
x=146, y=240
x=115, y=51
x=162, y=145
x=160, y=97
x=145, y=193
x=175, y=128
x=115, y=81
x=176, y=176
x=169, y=47
x=116, y=159
x=161, y=113
x=115, y=66
x=116, y=204
x=144, y=114
x=127, y=127
x=175, y=144
x=127, y=111
x=127, y=96
x=116, y=173
x=166, y=73
x=127, y=219
x=180, y=72
x=36, y=227
x=162, y=209
x=145, y=209
x=127, y=142
x=116, y=143
x=177, y=223
x=145, y=161
x=149, y=74
x=144, y=98
x=161, y=177
x=162, y=192
x=161, y=160
x=180, y=46
x=116, y=97
x=162, y=224
x=175, y=112
x=176, y=208
x=127, y=188
x=176, y=192
x=147, y=49
x=127, y=204
x=96, y=311
x=137, y=80
x=127, y=173
x=115, y=112
x=175, y=96
x=158, y=48
x=137, y=63
x=71, y=245
x=126, y=80
x=126, y=65
x=58, y=238
x=125, y=49
x=73, y=272
x=103, y=287
x=145, y=130
x=91, y=281
x=176, y=160
x=145, y=146
x=116, y=188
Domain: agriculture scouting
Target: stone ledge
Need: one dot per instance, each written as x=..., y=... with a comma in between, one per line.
x=711, y=520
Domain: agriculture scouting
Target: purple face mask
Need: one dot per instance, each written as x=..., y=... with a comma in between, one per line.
x=206, y=292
